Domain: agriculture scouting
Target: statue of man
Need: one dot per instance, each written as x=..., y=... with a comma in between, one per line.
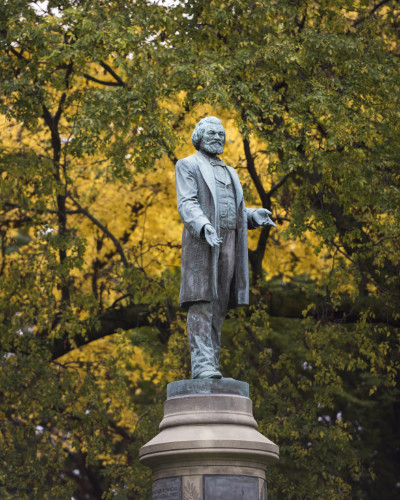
x=214, y=260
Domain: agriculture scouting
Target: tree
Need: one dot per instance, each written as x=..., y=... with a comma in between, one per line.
x=67, y=262
x=315, y=82
x=98, y=97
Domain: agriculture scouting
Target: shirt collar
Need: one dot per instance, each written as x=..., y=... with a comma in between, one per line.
x=215, y=162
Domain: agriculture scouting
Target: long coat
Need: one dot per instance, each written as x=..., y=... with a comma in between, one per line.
x=197, y=206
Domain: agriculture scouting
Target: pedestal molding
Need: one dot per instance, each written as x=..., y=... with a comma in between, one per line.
x=209, y=441
x=207, y=418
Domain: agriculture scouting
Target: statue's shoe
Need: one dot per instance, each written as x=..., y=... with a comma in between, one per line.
x=209, y=374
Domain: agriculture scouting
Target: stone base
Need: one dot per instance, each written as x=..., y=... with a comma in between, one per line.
x=210, y=487
x=209, y=447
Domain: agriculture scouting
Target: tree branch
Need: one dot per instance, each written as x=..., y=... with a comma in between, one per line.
x=97, y=223
x=17, y=54
x=281, y=305
x=36, y=210
x=265, y=199
x=371, y=12
x=63, y=96
x=101, y=82
x=112, y=73
x=256, y=256
x=170, y=153
x=124, y=318
x=48, y=118
x=280, y=184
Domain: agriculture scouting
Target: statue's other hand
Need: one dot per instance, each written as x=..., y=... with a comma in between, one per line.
x=211, y=236
x=261, y=217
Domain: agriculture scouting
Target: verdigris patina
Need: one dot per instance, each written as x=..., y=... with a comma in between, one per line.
x=214, y=260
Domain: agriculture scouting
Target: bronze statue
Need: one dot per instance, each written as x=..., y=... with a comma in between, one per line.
x=214, y=260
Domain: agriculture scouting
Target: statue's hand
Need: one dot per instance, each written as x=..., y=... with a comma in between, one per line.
x=211, y=236
x=261, y=217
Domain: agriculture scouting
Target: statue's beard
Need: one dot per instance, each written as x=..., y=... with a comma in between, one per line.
x=212, y=148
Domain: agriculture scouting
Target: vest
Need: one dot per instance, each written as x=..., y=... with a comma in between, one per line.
x=226, y=196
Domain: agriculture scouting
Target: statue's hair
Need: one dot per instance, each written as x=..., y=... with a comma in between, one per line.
x=199, y=129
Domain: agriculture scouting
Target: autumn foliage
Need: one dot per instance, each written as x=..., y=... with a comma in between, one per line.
x=98, y=100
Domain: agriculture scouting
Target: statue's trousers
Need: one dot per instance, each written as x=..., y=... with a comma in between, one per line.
x=205, y=319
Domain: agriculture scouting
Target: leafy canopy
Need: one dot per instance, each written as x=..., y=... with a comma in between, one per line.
x=98, y=100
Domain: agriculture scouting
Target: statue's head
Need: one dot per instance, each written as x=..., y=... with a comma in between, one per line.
x=209, y=135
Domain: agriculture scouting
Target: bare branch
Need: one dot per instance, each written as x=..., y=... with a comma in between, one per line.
x=47, y=117
x=60, y=108
x=265, y=199
x=63, y=96
x=101, y=82
x=280, y=184
x=97, y=223
x=124, y=318
x=112, y=73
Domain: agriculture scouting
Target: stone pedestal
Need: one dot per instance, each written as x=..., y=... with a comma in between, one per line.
x=209, y=447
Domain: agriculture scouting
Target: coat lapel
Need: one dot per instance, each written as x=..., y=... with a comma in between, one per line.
x=207, y=172
x=208, y=175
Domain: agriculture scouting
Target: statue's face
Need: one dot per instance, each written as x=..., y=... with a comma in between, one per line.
x=213, y=139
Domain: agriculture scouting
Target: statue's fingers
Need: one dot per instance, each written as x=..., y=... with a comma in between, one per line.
x=217, y=242
x=266, y=211
x=209, y=240
x=269, y=222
